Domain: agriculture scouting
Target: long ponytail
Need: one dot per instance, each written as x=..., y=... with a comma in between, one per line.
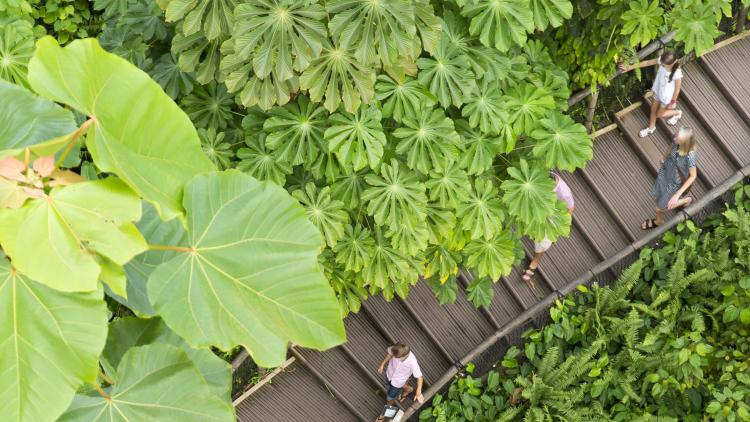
x=675, y=67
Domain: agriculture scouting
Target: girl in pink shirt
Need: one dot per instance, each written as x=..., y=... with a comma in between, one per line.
x=402, y=365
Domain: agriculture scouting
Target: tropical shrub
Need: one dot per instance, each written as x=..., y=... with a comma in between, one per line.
x=201, y=257
x=668, y=341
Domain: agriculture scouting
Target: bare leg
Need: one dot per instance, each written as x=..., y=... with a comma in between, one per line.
x=666, y=113
x=405, y=392
x=659, y=216
x=655, y=107
x=529, y=273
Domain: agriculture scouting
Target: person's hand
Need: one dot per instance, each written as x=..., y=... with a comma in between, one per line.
x=419, y=397
x=380, y=369
x=622, y=67
x=673, y=201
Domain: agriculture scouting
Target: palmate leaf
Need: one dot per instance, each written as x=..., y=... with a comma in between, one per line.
x=444, y=292
x=527, y=104
x=485, y=108
x=499, y=24
x=16, y=49
x=138, y=132
x=59, y=240
x=429, y=26
x=447, y=75
x=379, y=31
x=327, y=167
x=480, y=292
x=480, y=150
x=396, y=196
x=401, y=99
x=348, y=188
x=173, y=81
x=295, y=131
x=156, y=381
x=428, y=140
x=131, y=47
x=209, y=106
x=448, y=186
x=128, y=332
x=213, y=18
x=51, y=341
x=410, y=241
x=339, y=77
x=550, y=12
x=481, y=213
x=347, y=286
x=216, y=148
x=456, y=33
x=442, y=263
x=440, y=223
x=145, y=18
x=260, y=163
x=279, y=36
x=695, y=26
x=356, y=139
x=387, y=267
x=237, y=75
x=327, y=214
x=529, y=192
x=642, y=21
x=552, y=227
x=355, y=248
x=562, y=143
x=494, y=257
x=197, y=54
x=248, y=274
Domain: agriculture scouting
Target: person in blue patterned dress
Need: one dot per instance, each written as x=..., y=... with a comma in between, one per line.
x=677, y=173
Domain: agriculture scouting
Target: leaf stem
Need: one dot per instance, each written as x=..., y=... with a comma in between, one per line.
x=102, y=392
x=106, y=378
x=69, y=147
x=169, y=248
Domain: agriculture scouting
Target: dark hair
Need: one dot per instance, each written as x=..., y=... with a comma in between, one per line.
x=399, y=350
x=668, y=57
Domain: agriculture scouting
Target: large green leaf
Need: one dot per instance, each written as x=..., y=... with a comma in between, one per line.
x=409, y=240
x=396, y=196
x=210, y=17
x=248, y=273
x=356, y=139
x=642, y=21
x=138, y=132
x=491, y=257
x=552, y=227
x=428, y=140
x=27, y=120
x=527, y=104
x=442, y=263
x=16, y=49
x=348, y=188
x=328, y=215
x=401, y=99
x=355, y=248
x=59, y=240
x=480, y=292
x=387, y=267
x=529, y=192
x=428, y=25
x=257, y=161
x=295, y=131
x=562, y=143
x=339, y=77
x=447, y=75
x=152, y=382
x=695, y=26
x=480, y=149
x=51, y=341
x=376, y=31
x=499, y=24
x=128, y=332
x=448, y=186
x=550, y=12
x=485, y=108
x=481, y=213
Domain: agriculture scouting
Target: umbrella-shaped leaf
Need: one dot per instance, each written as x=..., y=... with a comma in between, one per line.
x=152, y=382
x=349, y=188
x=16, y=48
x=355, y=248
x=215, y=147
x=138, y=132
x=447, y=75
x=295, y=131
x=442, y=262
x=448, y=186
x=279, y=36
x=408, y=240
x=260, y=163
x=480, y=292
x=642, y=21
x=209, y=106
x=51, y=342
x=428, y=140
x=396, y=196
x=387, y=266
x=339, y=77
x=401, y=99
x=491, y=257
x=481, y=213
x=210, y=17
x=375, y=31
x=485, y=108
x=172, y=79
x=481, y=149
x=553, y=226
x=562, y=143
x=248, y=273
x=327, y=214
x=445, y=292
x=499, y=24
x=327, y=166
x=128, y=332
x=440, y=223
x=197, y=54
x=527, y=104
x=529, y=192
x=550, y=12
x=428, y=25
x=57, y=240
x=356, y=139
x=695, y=27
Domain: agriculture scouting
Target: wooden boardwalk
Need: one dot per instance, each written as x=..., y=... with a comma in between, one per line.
x=612, y=198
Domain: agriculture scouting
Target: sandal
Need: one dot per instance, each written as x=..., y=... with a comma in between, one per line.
x=528, y=274
x=646, y=131
x=649, y=224
x=674, y=119
x=404, y=395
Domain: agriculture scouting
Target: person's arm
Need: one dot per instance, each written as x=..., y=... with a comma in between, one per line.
x=689, y=181
x=677, y=86
x=418, y=394
x=381, y=368
x=624, y=68
x=570, y=210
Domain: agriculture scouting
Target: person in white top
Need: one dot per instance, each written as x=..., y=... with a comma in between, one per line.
x=666, y=89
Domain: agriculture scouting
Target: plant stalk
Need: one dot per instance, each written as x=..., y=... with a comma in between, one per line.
x=102, y=392
x=169, y=248
x=73, y=139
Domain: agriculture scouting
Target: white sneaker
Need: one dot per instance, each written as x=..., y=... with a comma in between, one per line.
x=647, y=131
x=674, y=119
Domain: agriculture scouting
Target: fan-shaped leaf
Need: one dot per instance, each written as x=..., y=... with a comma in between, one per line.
x=529, y=192
x=500, y=24
x=250, y=255
x=642, y=21
x=402, y=99
x=172, y=79
x=327, y=214
x=356, y=139
x=209, y=106
x=51, y=341
x=215, y=147
x=213, y=18
x=494, y=257
x=295, y=131
x=550, y=12
x=197, y=54
x=429, y=141
x=695, y=27
x=440, y=223
x=554, y=225
x=447, y=75
x=528, y=104
x=355, y=248
x=445, y=292
x=16, y=49
x=562, y=143
x=138, y=132
x=481, y=213
x=448, y=186
x=480, y=149
x=410, y=241
x=480, y=292
x=60, y=239
x=396, y=197
x=157, y=381
x=442, y=262
x=349, y=188
x=386, y=267
x=260, y=163
x=485, y=108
